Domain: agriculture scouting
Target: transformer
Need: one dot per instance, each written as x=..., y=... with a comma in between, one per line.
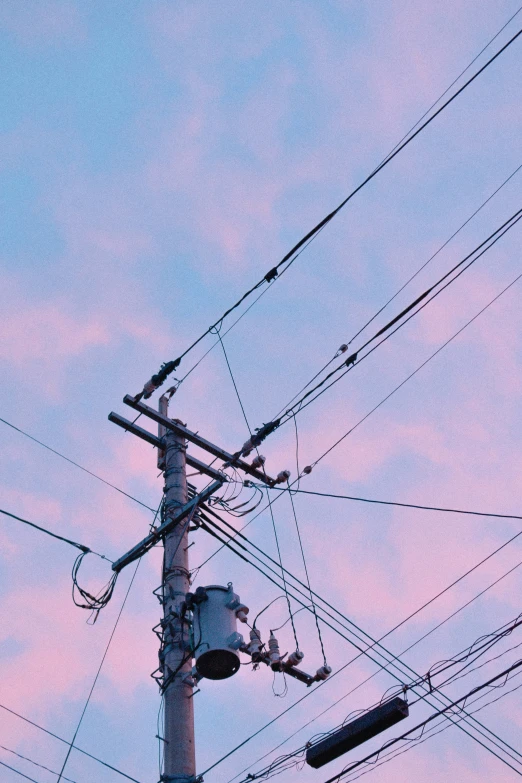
x=216, y=610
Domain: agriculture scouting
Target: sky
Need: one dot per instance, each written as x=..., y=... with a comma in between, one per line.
x=157, y=159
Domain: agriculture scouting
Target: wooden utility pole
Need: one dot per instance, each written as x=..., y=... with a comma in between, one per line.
x=180, y=758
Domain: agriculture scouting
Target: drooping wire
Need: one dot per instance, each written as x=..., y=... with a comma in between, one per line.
x=371, y=646
x=71, y=744
x=158, y=379
x=94, y=603
x=283, y=573
x=372, y=676
x=77, y=465
x=362, y=651
x=314, y=609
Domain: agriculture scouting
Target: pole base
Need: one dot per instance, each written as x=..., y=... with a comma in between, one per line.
x=178, y=779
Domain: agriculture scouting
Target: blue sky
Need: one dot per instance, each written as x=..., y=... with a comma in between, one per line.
x=157, y=160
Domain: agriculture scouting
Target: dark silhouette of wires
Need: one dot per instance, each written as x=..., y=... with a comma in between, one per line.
x=166, y=369
x=425, y=298
x=77, y=465
x=66, y=742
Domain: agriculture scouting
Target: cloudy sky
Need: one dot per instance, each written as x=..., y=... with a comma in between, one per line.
x=158, y=158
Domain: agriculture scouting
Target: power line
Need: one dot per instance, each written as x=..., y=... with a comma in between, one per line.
x=76, y=464
x=379, y=404
x=66, y=742
x=3, y=764
x=71, y=744
x=374, y=643
x=372, y=676
x=432, y=717
x=159, y=378
x=396, y=389
x=391, y=299
x=84, y=549
x=31, y=761
x=354, y=361
x=397, y=503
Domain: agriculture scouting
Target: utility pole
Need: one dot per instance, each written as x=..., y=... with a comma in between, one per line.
x=180, y=757
x=213, y=610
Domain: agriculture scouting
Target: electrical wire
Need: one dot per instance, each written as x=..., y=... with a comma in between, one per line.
x=354, y=361
x=401, y=505
x=372, y=676
x=66, y=742
x=379, y=404
x=344, y=347
x=77, y=465
x=420, y=367
x=84, y=549
x=307, y=577
x=362, y=651
x=432, y=717
x=166, y=369
x=71, y=744
x=13, y=769
x=36, y=764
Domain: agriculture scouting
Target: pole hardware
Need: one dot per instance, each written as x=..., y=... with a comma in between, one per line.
x=180, y=430
x=165, y=528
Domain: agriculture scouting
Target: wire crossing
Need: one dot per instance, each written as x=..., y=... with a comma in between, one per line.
x=163, y=373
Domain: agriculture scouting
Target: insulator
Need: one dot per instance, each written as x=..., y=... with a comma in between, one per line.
x=274, y=654
x=295, y=659
x=241, y=614
x=282, y=477
x=247, y=448
x=323, y=673
x=254, y=648
x=259, y=461
x=307, y=470
x=342, y=348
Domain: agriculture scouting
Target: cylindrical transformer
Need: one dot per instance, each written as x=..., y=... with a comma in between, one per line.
x=216, y=640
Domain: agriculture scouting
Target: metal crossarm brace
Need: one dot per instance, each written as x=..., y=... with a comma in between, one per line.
x=157, y=442
x=193, y=437
x=148, y=542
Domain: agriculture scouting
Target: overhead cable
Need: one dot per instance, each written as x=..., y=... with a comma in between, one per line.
x=345, y=346
x=84, y=549
x=400, y=319
x=371, y=676
x=66, y=742
x=503, y=675
x=400, y=505
x=420, y=367
x=166, y=369
x=374, y=643
x=76, y=464
x=71, y=744
x=31, y=761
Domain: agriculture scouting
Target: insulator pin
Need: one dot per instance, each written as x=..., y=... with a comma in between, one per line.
x=282, y=477
x=323, y=673
x=259, y=461
x=274, y=654
x=295, y=658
